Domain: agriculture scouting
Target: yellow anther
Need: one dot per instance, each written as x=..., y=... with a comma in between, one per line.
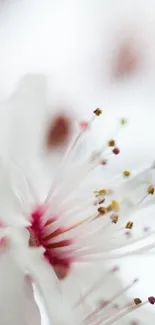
x=101, y=192
x=126, y=173
x=111, y=143
x=115, y=206
x=129, y=225
x=109, y=208
x=150, y=190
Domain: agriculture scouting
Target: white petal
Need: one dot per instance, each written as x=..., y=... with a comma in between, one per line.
x=44, y=277
x=26, y=117
x=17, y=304
x=14, y=188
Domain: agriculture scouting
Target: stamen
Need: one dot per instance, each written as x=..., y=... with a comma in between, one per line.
x=123, y=313
x=103, y=162
x=101, y=192
x=126, y=173
x=102, y=211
x=97, y=284
x=116, y=151
x=111, y=143
x=129, y=225
x=115, y=206
x=68, y=154
x=98, y=112
x=114, y=218
x=109, y=208
x=92, y=233
x=150, y=190
x=108, y=311
x=110, y=318
x=91, y=164
x=151, y=300
x=137, y=301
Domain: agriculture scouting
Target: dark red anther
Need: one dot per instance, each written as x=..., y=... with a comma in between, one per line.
x=151, y=300
x=116, y=151
x=58, y=131
x=103, y=162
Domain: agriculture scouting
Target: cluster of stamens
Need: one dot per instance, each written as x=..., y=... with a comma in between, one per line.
x=66, y=243
x=111, y=209
x=108, y=311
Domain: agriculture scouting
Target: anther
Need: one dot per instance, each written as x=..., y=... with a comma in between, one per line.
x=103, y=162
x=151, y=300
x=101, y=192
x=137, y=301
x=150, y=190
x=98, y=112
x=115, y=206
x=114, y=218
x=111, y=143
x=109, y=208
x=126, y=173
x=102, y=210
x=129, y=225
x=116, y=151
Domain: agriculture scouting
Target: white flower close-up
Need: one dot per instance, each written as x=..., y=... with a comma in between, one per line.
x=77, y=157
x=38, y=229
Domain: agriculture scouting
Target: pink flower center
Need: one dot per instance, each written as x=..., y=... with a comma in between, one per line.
x=45, y=234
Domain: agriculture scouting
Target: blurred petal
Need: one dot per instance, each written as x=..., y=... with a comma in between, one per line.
x=19, y=190
x=17, y=304
x=26, y=117
x=126, y=60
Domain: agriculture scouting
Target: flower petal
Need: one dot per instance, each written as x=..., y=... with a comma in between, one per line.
x=57, y=308
x=26, y=117
x=16, y=188
x=17, y=304
x=32, y=261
